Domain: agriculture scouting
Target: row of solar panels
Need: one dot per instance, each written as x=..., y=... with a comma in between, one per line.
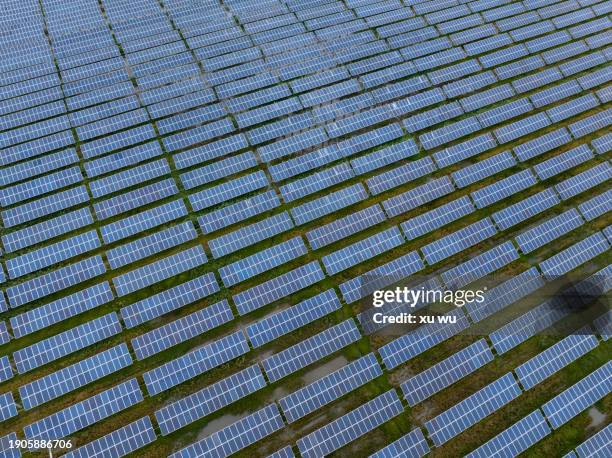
x=328, y=438
x=396, y=205
x=297, y=357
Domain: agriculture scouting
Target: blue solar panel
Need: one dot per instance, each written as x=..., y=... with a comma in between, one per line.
x=119, y=443
x=310, y=350
x=483, y=169
x=350, y=426
x=61, y=309
x=191, y=408
x=8, y=408
x=458, y=241
x=345, y=227
x=423, y=338
x=525, y=209
x=52, y=254
x=159, y=270
x=285, y=452
x=74, y=376
x=411, y=445
x=329, y=388
x=472, y=409
x=171, y=299
x=45, y=206
x=262, y=261
x=360, y=251
x=446, y=372
x=506, y=293
x=436, y=218
x=596, y=206
x=142, y=221
x=293, y=318
x=503, y=188
x=554, y=359
x=67, y=342
x=464, y=150
x=236, y=436
x=239, y=211
x=195, y=363
x=183, y=329
x=277, y=288
x=575, y=255
x=6, y=370
x=328, y=204
x=516, y=439
x=418, y=196
x=563, y=162
x=7, y=450
x=583, y=181
x=596, y=446
x=548, y=231
x=85, y=413
x=579, y=396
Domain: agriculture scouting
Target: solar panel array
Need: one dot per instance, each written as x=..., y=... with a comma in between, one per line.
x=215, y=189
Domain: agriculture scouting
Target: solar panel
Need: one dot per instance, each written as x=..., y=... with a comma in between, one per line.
x=436, y=218
x=236, y=436
x=362, y=250
x=585, y=180
x=238, y=211
x=345, y=227
x=61, y=309
x=171, y=299
x=423, y=338
x=195, y=363
x=67, y=342
x=159, y=270
x=575, y=255
x=181, y=330
x=85, y=413
x=52, y=254
x=250, y=235
x=179, y=414
x=554, y=359
x=350, y=426
x=6, y=370
x=418, y=196
x=516, y=439
x=446, y=372
x=150, y=245
x=458, y=241
x=6, y=446
x=229, y=190
x=384, y=156
x=563, y=161
x=120, y=442
x=579, y=396
x=596, y=445
x=602, y=144
x=381, y=277
x=480, y=265
x=293, y=318
x=285, y=452
x=548, y=231
x=472, y=147
x=45, y=206
x=75, y=376
x=277, y=288
x=483, y=169
x=212, y=150
x=329, y=388
x=503, y=188
x=525, y=209
x=139, y=222
x=310, y=350
x=472, y=409
x=411, y=445
x=39, y=186
x=506, y=293
x=318, y=181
